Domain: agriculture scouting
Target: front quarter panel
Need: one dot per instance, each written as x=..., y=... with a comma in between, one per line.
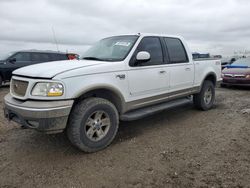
x=77, y=86
x=111, y=75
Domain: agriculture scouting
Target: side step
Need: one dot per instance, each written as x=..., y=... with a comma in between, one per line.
x=147, y=111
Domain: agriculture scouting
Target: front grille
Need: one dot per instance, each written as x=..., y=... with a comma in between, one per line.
x=19, y=87
x=235, y=75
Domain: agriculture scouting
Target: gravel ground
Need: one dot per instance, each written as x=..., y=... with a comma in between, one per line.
x=182, y=147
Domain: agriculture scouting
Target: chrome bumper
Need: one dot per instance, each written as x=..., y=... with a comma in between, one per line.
x=47, y=116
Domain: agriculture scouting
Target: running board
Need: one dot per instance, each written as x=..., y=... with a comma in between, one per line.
x=147, y=111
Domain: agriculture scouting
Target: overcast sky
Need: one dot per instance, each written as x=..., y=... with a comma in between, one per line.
x=218, y=27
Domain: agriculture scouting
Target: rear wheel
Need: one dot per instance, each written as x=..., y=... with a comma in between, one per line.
x=93, y=124
x=205, y=99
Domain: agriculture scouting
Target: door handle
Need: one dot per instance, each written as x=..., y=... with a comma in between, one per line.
x=187, y=69
x=162, y=72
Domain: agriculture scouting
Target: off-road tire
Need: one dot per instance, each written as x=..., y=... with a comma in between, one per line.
x=199, y=100
x=78, y=118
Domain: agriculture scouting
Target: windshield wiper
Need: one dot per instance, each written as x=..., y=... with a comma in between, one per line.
x=93, y=58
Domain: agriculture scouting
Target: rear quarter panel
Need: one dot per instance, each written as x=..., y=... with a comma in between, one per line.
x=205, y=67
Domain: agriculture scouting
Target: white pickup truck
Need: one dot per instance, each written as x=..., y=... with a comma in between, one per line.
x=120, y=78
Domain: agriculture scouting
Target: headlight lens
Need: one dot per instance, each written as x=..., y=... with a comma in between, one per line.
x=50, y=89
x=248, y=76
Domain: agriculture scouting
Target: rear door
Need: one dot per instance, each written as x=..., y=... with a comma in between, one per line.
x=148, y=78
x=181, y=68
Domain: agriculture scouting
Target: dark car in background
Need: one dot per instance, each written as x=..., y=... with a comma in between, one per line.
x=238, y=73
x=15, y=60
x=197, y=55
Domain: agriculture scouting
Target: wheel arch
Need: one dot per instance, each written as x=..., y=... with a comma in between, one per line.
x=105, y=92
x=211, y=76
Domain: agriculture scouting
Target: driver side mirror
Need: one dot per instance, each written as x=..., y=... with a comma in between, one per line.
x=143, y=56
x=12, y=60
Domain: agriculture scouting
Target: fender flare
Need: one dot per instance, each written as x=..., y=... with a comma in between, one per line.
x=113, y=90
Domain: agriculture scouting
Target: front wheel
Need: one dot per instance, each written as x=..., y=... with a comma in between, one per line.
x=93, y=124
x=205, y=99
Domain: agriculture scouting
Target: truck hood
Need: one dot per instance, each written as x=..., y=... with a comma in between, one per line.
x=236, y=71
x=51, y=69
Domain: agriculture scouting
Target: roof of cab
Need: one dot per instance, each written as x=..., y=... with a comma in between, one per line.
x=159, y=35
x=42, y=51
x=150, y=34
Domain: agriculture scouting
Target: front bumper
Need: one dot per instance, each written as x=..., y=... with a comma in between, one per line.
x=236, y=81
x=46, y=116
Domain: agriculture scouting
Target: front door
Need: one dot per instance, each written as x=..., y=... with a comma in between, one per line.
x=149, y=78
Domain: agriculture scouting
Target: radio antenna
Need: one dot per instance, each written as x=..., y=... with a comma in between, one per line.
x=54, y=37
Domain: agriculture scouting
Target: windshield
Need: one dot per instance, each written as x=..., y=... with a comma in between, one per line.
x=111, y=49
x=5, y=56
x=242, y=62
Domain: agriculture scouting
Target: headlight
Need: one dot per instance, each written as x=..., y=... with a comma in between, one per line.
x=50, y=89
x=248, y=76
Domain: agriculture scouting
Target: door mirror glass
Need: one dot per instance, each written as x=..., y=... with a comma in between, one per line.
x=143, y=56
x=12, y=60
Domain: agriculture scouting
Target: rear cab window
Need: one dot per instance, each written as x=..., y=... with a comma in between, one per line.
x=175, y=50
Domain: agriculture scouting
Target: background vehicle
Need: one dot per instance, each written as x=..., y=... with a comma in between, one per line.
x=197, y=55
x=227, y=61
x=120, y=78
x=15, y=60
x=238, y=73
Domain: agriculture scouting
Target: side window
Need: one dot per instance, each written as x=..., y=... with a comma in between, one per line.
x=36, y=57
x=153, y=46
x=176, y=50
x=22, y=56
x=44, y=57
x=62, y=57
x=53, y=57
x=40, y=57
